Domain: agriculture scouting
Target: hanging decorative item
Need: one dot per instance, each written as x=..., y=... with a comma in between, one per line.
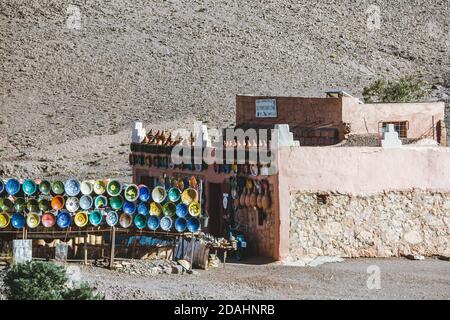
x=99, y=187
x=100, y=202
x=260, y=195
x=72, y=204
x=131, y=192
x=159, y=194
x=129, y=207
x=72, y=187
x=29, y=187
x=144, y=193
x=63, y=219
x=33, y=220
x=265, y=202
x=18, y=221
x=57, y=187
x=153, y=223
x=174, y=194
x=140, y=221
x=242, y=198
x=48, y=220
x=114, y=188
x=45, y=187
x=57, y=203
x=4, y=220
x=180, y=224
x=6, y=204
x=95, y=217
x=112, y=218
x=193, y=225
x=44, y=205
x=195, y=209
x=169, y=209
x=12, y=186
x=125, y=220
x=165, y=223
x=32, y=205
x=86, y=187
x=143, y=208
x=225, y=201
x=155, y=209
x=86, y=202
x=189, y=195
x=181, y=210
x=81, y=219
x=19, y=204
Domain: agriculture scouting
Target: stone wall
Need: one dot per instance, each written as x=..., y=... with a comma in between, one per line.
x=381, y=224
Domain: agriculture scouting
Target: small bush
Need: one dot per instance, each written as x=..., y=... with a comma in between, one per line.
x=43, y=281
x=405, y=89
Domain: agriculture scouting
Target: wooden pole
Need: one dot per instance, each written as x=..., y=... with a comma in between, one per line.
x=113, y=246
x=86, y=236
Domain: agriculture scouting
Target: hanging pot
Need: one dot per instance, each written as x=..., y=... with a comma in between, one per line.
x=29, y=187
x=32, y=205
x=100, y=202
x=48, y=220
x=86, y=202
x=114, y=188
x=72, y=187
x=86, y=187
x=159, y=194
x=19, y=204
x=99, y=187
x=12, y=186
x=45, y=187
x=57, y=187
x=72, y=204
x=6, y=204
x=189, y=195
x=180, y=224
x=193, y=225
x=140, y=221
x=18, y=220
x=4, y=220
x=155, y=209
x=247, y=199
x=63, y=219
x=153, y=223
x=143, y=208
x=182, y=210
x=259, y=200
x=33, y=220
x=95, y=217
x=174, y=194
x=129, y=207
x=195, y=209
x=112, y=218
x=131, y=192
x=265, y=202
x=125, y=220
x=81, y=219
x=144, y=193
x=253, y=199
x=44, y=205
x=165, y=223
x=169, y=209
x=116, y=202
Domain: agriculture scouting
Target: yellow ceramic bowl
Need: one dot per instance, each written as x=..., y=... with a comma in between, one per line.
x=81, y=219
x=195, y=209
x=33, y=220
x=155, y=209
x=188, y=196
x=4, y=220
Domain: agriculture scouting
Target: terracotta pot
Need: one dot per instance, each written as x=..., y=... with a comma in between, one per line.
x=242, y=198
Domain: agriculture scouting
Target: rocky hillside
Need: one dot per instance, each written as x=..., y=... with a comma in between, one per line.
x=77, y=72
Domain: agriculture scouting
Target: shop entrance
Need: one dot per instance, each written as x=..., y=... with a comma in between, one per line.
x=215, y=209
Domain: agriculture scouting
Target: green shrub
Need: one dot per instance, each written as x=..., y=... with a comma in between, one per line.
x=405, y=89
x=43, y=281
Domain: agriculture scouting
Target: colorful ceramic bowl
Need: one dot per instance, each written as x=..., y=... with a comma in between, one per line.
x=32, y=205
x=57, y=202
x=29, y=187
x=116, y=202
x=6, y=204
x=174, y=194
x=33, y=220
x=19, y=204
x=72, y=187
x=95, y=217
x=86, y=202
x=112, y=218
x=159, y=194
x=131, y=192
x=195, y=209
x=140, y=221
x=143, y=208
x=63, y=219
x=129, y=207
x=193, y=225
x=144, y=193
x=153, y=223
x=99, y=187
x=114, y=188
x=170, y=209
x=48, y=220
x=45, y=187
x=58, y=187
x=4, y=220
x=165, y=223
x=18, y=220
x=12, y=186
x=44, y=205
x=125, y=220
x=155, y=209
x=81, y=219
x=100, y=202
x=182, y=210
x=189, y=195
x=86, y=187
x=181, y=224
x=72, y=204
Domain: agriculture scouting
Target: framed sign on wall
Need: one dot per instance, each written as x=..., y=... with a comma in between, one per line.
x=266, y=108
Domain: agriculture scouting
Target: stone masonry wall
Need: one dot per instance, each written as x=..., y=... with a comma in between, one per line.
x=383, y=224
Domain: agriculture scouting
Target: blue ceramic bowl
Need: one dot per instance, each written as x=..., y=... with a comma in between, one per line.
x=180, y=224
x=18, y=220
x=72, y=187
x=63, y=219
x=182, y=210
x=12, y=186
x=165, y=223
x=144, y=193
x=153, y=222
x=193, y=225
x=143, y=208
x=129, y=207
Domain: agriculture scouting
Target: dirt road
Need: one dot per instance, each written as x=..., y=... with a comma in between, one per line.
x=400, y=279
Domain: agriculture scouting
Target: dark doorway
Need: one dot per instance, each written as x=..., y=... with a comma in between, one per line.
x=215, y=209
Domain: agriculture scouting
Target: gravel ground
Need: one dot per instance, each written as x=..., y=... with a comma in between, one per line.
x=400, y=279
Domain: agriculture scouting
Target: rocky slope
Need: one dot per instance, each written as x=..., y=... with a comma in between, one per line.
x=70, y=91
